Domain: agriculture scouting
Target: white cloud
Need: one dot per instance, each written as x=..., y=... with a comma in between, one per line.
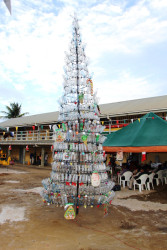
x=101, y=8
x=158, y=4
x=34, y=38
x=127, y=32
x=19, y=86
x=126, y=87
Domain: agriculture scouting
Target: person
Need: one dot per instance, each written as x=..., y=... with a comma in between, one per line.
x=129, y=160
x=135, y=176
x=164, y=166
x=112, y=163
x=125, y=168
x=35, y=158
x=39, y=160
x=157, y=170
x=31, y=158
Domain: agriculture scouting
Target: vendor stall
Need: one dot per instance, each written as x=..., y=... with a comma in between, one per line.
x=147, y=134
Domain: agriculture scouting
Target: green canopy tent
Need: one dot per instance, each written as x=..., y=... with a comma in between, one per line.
x=147, y=134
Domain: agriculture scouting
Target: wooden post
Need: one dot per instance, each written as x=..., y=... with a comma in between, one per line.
x=109, y=127
x=24, y=155
x=38, y=134
x=9, y=152
x=42, y=156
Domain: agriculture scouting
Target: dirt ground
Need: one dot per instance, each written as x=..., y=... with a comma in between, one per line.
x=27, y=223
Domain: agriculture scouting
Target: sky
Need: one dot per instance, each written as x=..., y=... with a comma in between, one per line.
x=126, y=44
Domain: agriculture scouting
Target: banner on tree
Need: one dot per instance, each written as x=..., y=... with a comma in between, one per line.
x=95, y=179
x=70, y=213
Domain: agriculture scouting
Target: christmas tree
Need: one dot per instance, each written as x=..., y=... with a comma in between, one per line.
x=78, y=170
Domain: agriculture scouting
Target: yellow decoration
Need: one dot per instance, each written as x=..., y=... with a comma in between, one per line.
x=91, y=88
x=139, y=119
x=102, y=122
x=16, y=128
x=59, y=125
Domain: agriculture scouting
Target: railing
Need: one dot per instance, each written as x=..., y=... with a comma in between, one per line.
x=29, y=136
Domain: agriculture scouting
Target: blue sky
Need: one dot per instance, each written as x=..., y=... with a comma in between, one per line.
x=126, y=43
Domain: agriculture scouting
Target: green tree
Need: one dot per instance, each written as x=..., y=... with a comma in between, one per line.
x=13, y=111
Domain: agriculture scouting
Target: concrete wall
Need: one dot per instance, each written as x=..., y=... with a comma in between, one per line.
x=155, y=156
x=17, y=152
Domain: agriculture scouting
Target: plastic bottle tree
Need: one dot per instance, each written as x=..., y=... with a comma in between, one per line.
x=78, y=170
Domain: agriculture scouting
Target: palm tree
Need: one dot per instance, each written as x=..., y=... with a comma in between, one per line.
x=13, y=111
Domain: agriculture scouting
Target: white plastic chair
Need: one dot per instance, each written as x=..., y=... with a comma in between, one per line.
x=164, y=175
x=151, y=177
x=127, y=176
x=159, y=177
x=143, y=179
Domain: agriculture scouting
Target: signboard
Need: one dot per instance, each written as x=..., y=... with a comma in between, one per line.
x=70, y=213
x=119, y=156
x=95, y=179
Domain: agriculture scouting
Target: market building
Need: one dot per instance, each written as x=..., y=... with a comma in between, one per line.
x=33, y=135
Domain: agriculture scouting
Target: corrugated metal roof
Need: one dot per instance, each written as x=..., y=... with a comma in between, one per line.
x=131, y=107
x=46, y=118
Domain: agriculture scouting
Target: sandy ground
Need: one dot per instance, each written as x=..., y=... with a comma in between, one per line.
x=134, y=220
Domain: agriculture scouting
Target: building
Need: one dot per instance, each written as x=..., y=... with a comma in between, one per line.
x=33, y=135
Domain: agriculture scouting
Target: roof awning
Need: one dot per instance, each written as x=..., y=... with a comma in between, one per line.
x=136, y=149
x=147, y=134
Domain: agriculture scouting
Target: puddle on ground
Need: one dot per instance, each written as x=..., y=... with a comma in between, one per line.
x=10, y=181
x=127, y=225
x=12, y=214
x=5, y=171
x=3, y=174
x=163, y=229
x=36, y=190
x=136, y=205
